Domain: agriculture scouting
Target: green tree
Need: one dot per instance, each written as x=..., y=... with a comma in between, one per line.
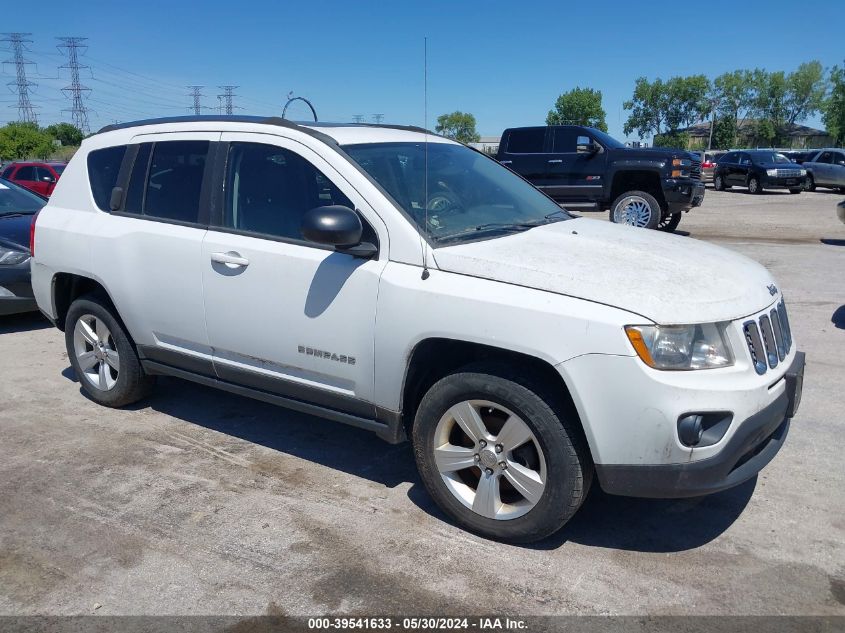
x=663, y=106
x=66, y=133
x=20, y=140
x=805, y=90
x=580, y=106
x=724, y=133
x=686, y=100
x=833, y=109
x=648, y=108
x=770, y=106
x=734, y=96
x=672, y=139
x=459, y=126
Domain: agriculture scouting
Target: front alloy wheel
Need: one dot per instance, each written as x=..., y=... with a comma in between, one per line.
x=96, y=352
x=489, y=459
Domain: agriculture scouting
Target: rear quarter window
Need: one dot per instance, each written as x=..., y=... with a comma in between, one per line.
x=103, y=169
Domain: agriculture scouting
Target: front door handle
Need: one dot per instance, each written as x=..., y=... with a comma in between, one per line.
x=230, y=259
x=555, y=160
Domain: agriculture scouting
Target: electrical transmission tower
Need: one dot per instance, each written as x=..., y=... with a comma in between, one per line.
x=197, y=95
x=226, y=98
x=17, y=44
x=358, y=118
x=378, y=118
x=79, y=113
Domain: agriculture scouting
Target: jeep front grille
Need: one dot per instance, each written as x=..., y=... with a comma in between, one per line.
x=769, y=338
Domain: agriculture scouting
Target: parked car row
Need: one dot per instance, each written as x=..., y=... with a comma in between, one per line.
x=17, y=209
x=38, y=177
x=759, y=170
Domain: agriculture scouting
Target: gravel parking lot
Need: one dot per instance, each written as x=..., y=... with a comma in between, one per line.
x=203, y=502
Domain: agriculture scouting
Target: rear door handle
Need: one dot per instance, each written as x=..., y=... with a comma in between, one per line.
x=555, y=160
x=230, y=259
x=505, y=162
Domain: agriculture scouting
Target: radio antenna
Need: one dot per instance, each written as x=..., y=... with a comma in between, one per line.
x=425, y=273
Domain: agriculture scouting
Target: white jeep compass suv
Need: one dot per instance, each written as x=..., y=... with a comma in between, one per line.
x=403, y=283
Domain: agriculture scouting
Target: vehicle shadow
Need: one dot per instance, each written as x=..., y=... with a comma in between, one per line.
x=838, y=318
x=832, y=242
x=26, y=322
x=646, y=525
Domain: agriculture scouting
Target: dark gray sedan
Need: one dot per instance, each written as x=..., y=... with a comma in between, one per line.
x=17, y=210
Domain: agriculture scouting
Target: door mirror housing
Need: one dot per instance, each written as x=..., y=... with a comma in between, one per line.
x=338, y=226
x=47, y=179
x=586, y=145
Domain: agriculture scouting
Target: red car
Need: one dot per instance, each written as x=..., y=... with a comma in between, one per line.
x=35, y=176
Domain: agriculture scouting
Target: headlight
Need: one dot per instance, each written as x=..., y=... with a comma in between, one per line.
x=772, y=172
x=9, y=257
x=681, y=347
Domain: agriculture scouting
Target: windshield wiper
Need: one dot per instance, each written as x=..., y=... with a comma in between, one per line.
x=514, y=227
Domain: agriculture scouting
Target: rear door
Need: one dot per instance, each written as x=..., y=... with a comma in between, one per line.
x=149, y=251
x=742, y=169
x=526, y=153
x=575, y=176
x=821, y=168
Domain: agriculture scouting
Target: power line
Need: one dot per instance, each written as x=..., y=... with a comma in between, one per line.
x=79, y=113
x=17, y=42
x=196, y=95
x=226, y=105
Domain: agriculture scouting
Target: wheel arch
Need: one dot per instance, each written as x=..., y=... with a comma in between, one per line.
x=67, y=287
x=637, y=179
x=434, y=358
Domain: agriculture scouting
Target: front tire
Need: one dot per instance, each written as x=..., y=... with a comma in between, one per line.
x=670, y=223
x=754, y=186
x=102, y=355
x=810, y=185
x=636, y=208
x=498, y=456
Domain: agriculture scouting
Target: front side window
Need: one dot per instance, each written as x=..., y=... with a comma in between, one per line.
x=45, y=175
x=466, y=195
x=824, y=157
x=269, y=189
x=103, y=169
x=527, y=140
x=173, y=183
x=565, y=141
x=744, y=159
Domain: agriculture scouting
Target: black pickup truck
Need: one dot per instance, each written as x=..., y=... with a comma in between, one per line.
x=646, y=187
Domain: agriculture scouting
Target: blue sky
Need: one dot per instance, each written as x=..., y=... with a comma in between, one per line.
x=506, y=62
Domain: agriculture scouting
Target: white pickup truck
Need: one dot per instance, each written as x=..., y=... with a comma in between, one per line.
x=403, y=283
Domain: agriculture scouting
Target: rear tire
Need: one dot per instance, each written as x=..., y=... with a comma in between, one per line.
x=636, y=208
x=102, y=354
x=670, y=223
x=810, y=185
x=754, y=186
x=719, y=183
x=514, y=422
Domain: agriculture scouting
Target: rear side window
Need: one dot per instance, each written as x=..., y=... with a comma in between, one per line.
x=103, y=169
x=527, y=141
x=166, y=180
x=26, y=172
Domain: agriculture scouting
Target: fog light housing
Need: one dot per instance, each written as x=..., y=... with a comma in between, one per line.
x=690, y=430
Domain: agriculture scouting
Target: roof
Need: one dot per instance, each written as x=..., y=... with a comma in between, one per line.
x=340, y=133
x=792, y=129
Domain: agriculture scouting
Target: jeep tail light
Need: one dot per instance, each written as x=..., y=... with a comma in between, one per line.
x=32, y=234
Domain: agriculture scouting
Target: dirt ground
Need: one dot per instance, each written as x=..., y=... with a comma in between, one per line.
x=201, y=502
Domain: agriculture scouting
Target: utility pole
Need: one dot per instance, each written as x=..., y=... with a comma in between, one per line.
x=226, y=98
x=79, y=113
x=196, y=95
x=358, y=118
x=378, y=118
x=21, y=85
x=713, y=105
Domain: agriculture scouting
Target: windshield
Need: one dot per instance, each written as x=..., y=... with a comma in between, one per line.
x=14, y=199
x=469, y=195
x=606, y=140
x=770, y=157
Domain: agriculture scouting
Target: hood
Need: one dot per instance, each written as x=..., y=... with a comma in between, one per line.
x=14, y=231
x=668, y=279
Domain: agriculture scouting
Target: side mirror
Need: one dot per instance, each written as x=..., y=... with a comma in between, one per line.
x=337, y=226
x=47, y=179
x=586, y=145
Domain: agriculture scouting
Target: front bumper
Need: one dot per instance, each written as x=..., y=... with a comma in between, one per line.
x=768, y=182
x=16, y=290
x=683, y=195
x=754, y=444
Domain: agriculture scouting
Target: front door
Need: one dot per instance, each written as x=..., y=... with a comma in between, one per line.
x=284, y=315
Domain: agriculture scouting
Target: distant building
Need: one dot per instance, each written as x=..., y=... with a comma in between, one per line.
x=797, y=136
x=487, y=144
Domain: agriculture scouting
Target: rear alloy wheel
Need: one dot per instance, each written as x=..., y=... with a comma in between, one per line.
x=669, y=222
x=101, y=354
x=754, y=185
x=636, y=208
x=497, y=458
x=718, y=182
x=810, y=184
